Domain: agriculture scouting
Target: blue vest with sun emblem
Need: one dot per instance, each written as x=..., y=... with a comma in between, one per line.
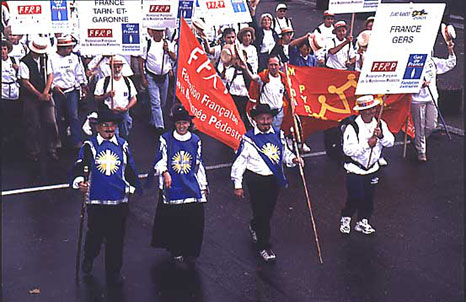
x=107, y=171
x=182, y=167
x=269, y=147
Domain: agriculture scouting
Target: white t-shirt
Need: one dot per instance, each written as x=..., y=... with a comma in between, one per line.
x=252, y=58
x=268, y=42
x=10, y=87
x=68, y=72
x=18, y=52
x=154, y=57
x=338, y=60
x=272, y=92
x=281, y=23
x=236, y=83
x=121, y=98
x=103, y=69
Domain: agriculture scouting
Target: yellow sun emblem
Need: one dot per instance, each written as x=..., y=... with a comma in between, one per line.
x=107, y=162
x=181, y=162
x=272, y=152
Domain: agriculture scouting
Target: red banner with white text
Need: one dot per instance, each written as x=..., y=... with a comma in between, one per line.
x=203, y=94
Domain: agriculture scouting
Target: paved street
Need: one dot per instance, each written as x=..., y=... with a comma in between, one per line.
x=417, y=253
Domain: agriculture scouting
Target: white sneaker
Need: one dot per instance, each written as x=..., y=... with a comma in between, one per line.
x=268, y=255
x=305, y=148
x=383, y=162
x=364, y=227
x=345, y=227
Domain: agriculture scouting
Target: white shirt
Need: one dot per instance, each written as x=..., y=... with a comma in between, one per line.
x=328, y=35
x=153, y=58
x=272, y=92
x=68, y=72
x=252, y=58
x=237, y=86
x=19, y=51
x=433, y=67
x=250, y=159
x=281, y=23
x=24, y=70
x=268, y=42
x=161, y=166
x=121, y=92
x=10, y=86
x=103, y=69
x=338, y=60
x=357, y=147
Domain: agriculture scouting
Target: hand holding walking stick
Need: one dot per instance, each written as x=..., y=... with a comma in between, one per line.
x=376, y=127
x=309, y=206
x=81, y=222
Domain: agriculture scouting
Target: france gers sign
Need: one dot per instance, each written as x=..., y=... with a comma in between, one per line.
x=160, y=13
x=401, y=42
x=39, y=17
x=110, y=27
x=202, y=93
x=220, y=12
x=352, y=6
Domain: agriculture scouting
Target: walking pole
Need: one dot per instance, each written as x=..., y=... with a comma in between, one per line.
x=405, y=141
x=379, y=118
x=112, y=74
x=306, y=191
x=81, y=222
x=439, y=113
x=351, y=33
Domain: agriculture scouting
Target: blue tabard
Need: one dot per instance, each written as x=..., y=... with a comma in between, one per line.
x=269, y=147
x=181, y=164
x=107, y=170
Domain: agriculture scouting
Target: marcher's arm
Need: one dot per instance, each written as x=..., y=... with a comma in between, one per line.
x=388, y=139
x=162, y=164
x=288, y=156
x=239, y=166
x=84, y=159
x=201, y=174
x=337, y=48
x=351, y=145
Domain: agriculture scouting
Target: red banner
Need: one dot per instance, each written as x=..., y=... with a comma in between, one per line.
x=325, y=96
x=202, y=93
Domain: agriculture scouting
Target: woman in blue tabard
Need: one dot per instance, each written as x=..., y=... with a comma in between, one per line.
x=179, y=218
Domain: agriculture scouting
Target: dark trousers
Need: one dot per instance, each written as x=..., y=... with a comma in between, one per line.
x=106, y=222
x=263, y=192
x=12, y=116
x=67, y=114
x=39, y=118
x=240, y=102
x=360, y=195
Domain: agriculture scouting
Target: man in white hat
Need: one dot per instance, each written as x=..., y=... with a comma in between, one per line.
x=281, y=48
x=156, y=61
x=363, y=140
x=325, y=30
x=423, y=109
x=281, y=21
x=118, y=97
x=36, y=77
x=341, y=54
x=68, y=80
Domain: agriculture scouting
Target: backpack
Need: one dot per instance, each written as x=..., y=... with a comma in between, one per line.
x=333, y=139
x=107, y=81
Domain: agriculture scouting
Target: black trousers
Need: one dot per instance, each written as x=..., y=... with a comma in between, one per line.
x=241, y=102
x=360, y=195
x=106, y=223
x=263, y=192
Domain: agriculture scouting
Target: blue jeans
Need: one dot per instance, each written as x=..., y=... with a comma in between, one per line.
x=158, y=99
x=67, y=109
x=124, y=125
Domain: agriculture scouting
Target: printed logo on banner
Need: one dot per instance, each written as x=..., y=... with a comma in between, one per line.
x=387, y=66
x=240, y=7
x=370, y=3
x=215, y=4
x=29, y=10
x=58, y=10
x=130, y=33
x=185, y=9
x=419, y=14
x=99, y=33
x=159, y=8
x=415, y=66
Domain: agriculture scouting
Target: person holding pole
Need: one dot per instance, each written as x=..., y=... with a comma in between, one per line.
x=260, y=159
x=423, y=104
x=341, y=54
x=112, y=178
x=363, y=141
x=156, y=63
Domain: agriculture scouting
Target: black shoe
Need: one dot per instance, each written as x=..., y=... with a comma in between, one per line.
x=86, y=266
x=115, y=279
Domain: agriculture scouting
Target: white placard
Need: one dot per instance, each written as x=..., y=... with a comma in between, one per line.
x=401, y=42
x=220, y=12
x=352, y=6
x=110, y=27
x=160, y=13
x=39, y=17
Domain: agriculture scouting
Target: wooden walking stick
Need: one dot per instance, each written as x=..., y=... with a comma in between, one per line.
x=81, y=223
x=405, y=140
x=112, y=69
x=306, y=191
x=351, y=33
x=377, y=126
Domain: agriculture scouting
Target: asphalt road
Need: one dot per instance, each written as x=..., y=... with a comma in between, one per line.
x=416, y=254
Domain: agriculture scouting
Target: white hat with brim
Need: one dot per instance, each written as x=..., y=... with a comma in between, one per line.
x=116, y=60
x=363, y=38
x=156, y=27
x=365, y=102
x=281, y=6
x=227, y=54
x=39, y=45
x=65, y=41
x=199, y=24
x=448, y=32
x=240, y=52
x=338, y=25
x=316, y=41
